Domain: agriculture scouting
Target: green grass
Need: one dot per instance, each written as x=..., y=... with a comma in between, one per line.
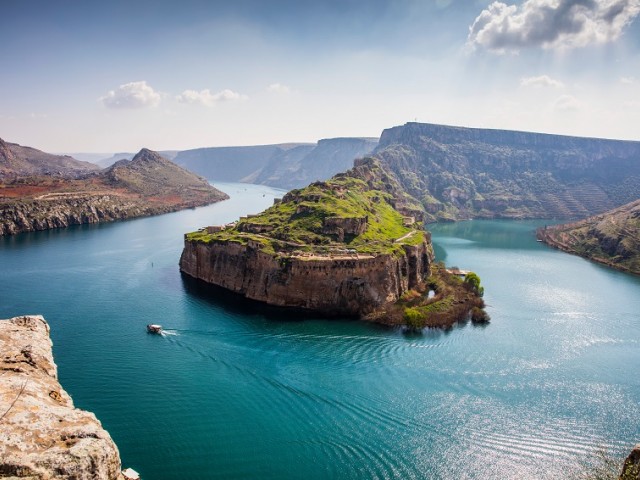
x=299, y=220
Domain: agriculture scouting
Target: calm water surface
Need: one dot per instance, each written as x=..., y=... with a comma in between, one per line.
x=233, y=393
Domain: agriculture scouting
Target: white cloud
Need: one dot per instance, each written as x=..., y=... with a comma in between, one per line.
x=628, y=80
x=551, y=24
x=208, y=99
x=278, y=88
x=541, y=82
x=131, y=95
x=568, y=103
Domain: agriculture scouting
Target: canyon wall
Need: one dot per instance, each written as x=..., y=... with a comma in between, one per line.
x=460, y=173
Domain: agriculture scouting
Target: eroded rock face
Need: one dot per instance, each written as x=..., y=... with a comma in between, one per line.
x=352, y=286
x=42, y=435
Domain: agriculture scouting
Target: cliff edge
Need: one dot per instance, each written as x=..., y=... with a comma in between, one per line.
x=346, y=246
x=42, y=435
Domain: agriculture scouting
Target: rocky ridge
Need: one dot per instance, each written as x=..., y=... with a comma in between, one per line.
x=460, y=173
x=42, y=435
x=18, y=161
x=612, y=238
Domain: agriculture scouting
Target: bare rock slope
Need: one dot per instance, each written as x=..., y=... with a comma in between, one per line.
x=147, y=185
x=612, y=238
x=42, y=435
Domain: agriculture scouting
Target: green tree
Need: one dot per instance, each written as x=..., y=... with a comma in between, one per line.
x=473, y=280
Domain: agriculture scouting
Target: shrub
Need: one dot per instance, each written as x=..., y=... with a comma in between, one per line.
x=414, y=319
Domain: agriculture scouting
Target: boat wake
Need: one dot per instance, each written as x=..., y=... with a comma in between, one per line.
x=167, y=333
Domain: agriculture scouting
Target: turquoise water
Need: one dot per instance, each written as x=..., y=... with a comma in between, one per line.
x=234, y=392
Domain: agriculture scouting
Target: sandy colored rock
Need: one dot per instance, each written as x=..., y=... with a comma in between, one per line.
x=42, y=435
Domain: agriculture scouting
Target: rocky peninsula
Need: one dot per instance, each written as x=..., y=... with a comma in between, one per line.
x=42, y=435
x=612, y=238
x=351, y=246
x=32, y=197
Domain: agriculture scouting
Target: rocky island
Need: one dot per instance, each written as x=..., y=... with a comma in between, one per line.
x=42, y=435
x=39, y=191
x=351, y=246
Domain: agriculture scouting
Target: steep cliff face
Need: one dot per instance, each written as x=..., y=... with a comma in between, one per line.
x=42, y=435
x=45, y=214
x=353, y=285
x=298, y=167
x=339, y=247
x=462, y=173
x=287, y=165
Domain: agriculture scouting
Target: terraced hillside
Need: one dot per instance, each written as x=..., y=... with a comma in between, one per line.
x=460, y=173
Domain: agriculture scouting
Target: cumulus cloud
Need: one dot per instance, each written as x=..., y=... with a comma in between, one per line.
x=551, y=24
x=208, y=99
x=541, y=81
x=567, y=103
x=131, y=95
x=278, y=88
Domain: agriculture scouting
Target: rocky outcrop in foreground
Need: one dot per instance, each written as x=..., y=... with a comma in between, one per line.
x=42, y=435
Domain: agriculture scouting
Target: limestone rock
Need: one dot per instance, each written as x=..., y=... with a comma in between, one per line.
x=42, y=435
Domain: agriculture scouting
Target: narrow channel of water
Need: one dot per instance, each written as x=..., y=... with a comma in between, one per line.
x=233, y=393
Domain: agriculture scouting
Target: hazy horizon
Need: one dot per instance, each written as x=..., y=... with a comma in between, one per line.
x=115, y=77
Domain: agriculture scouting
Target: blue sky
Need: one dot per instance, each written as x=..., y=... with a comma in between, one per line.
x=120, y=75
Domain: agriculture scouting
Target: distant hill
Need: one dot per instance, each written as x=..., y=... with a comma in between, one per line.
x=460, y=173
x=612, y=238
x=19, y=161
x=104, y=160
x=287, y=166
x=297, y=167
x=229, y=164
x=149, y=184
x=149, y=173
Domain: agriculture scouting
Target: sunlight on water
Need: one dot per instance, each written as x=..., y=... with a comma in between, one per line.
x=229, y=391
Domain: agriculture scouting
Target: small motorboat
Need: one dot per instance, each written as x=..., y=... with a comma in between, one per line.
x=152, y=328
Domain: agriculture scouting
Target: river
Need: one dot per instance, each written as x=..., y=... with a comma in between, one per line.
x=236, y=392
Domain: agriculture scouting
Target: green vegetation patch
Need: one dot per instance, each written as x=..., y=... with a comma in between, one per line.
x=343, y=213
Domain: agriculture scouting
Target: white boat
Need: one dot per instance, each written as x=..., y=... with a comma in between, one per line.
x=153, y=328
